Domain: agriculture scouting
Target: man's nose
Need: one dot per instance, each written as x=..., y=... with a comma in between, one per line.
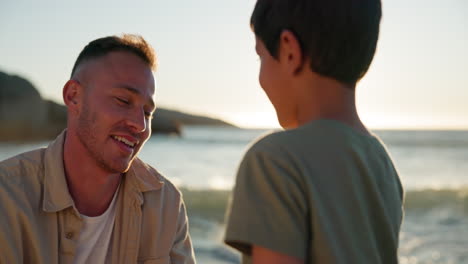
x=137, y=120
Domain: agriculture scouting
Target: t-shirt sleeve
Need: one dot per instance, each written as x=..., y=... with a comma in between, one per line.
x=268, y=206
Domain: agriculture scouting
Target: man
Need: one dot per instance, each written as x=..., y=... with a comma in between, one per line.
x=87, y=198
x=324, y=190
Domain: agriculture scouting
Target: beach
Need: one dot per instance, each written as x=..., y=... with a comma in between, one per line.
x=432, y=167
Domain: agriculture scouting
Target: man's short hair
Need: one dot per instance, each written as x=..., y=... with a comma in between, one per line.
x=134, y=44
x=338, y=36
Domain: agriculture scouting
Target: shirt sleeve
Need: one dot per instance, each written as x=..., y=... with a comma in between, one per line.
x=10, y=224
x=268, y=206
x=182, y=250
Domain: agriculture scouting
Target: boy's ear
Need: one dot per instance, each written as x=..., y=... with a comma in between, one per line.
x=72, y=94
x=290, y=52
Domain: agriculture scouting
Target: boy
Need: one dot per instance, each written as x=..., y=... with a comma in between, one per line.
x=324, y=190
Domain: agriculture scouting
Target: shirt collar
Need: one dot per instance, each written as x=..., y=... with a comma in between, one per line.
x=56, y=195
x=145, y=177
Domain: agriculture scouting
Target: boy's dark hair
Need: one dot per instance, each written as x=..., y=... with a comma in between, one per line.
x=127, y=42
x=338, y=36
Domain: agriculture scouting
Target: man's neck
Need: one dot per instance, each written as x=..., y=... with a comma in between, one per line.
x=91, y=187
x=328, y=99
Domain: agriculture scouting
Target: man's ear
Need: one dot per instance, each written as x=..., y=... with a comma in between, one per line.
x=72, y=96
x=290, y=52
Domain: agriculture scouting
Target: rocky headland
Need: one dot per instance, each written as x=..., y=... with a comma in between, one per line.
x=26, y=116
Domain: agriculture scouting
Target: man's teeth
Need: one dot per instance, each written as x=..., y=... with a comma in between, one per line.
x=124, y=140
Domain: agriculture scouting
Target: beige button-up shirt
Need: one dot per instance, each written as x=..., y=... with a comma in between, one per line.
x=40, y=224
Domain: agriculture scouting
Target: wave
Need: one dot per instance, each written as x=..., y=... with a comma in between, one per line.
x=425, y=139
x=206, y=204
x=211, y=204
x=428, y=199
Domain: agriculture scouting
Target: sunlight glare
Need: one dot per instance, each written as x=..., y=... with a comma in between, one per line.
x=258, y=119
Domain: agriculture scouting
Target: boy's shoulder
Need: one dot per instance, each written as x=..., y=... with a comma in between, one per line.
x=316, y=136
x=321, y=145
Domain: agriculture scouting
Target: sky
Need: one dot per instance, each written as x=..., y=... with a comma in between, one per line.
x=207, y=62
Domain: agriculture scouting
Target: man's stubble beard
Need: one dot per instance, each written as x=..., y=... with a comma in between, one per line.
x=87, y=123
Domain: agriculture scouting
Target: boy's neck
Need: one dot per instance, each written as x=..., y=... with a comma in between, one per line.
x=324, y=98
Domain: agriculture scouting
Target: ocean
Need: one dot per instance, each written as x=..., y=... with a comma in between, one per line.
x=433, y=167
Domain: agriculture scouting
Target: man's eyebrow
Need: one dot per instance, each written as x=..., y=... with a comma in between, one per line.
x=135, y=91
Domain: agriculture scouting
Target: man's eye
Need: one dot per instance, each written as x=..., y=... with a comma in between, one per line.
x=123, y=101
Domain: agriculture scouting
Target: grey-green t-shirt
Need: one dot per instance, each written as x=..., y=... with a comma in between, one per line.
x=322, y=192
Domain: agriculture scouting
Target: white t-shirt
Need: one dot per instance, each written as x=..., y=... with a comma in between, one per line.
x=93, y=242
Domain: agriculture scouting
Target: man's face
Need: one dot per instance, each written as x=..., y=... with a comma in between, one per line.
x=274, y=82
x=117, y=106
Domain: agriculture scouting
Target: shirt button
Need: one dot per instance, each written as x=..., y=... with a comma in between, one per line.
x=69, y=235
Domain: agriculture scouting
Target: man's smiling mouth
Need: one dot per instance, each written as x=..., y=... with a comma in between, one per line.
x=125, y=141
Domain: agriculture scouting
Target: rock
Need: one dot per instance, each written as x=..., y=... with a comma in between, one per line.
x=22, y=110
x=26, y=116
x=189, y=119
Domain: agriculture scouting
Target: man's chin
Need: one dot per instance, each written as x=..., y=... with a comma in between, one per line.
x=124, y=166
x=118, y=166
